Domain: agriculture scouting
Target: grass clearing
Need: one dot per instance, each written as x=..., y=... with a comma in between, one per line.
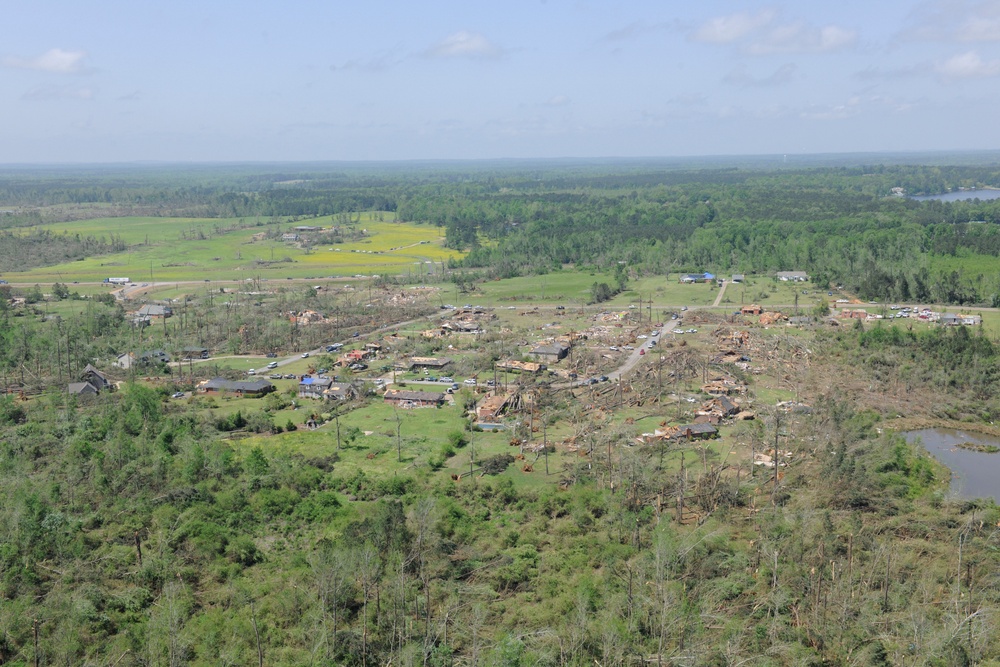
x=189, y=249
x=570, y=287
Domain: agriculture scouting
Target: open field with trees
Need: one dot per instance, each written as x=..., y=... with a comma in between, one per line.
x=179, y=249
x=567, y=479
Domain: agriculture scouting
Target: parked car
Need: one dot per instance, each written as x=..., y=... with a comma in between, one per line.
x=275, y=376
x=469, y=381
x=603, y=378
x=273, y=364
x=358, y=366
x=289, y=376
x=178, y=394
x=305, y=355
x=251, y=372
x=642, y=351
x=447, y=379
x=271, y=355
x=432, y=378
x=613, y=348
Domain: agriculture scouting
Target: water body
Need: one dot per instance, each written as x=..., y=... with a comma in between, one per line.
x=961, y=195
x=974, y=474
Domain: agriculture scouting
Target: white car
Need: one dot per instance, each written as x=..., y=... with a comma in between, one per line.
x=613, y=348
x=305, y=355
x=469, y=381
x=642, y=336
x=678, y=331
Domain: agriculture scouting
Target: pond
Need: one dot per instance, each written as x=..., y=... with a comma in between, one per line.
x=975, y=474
x=961, y=195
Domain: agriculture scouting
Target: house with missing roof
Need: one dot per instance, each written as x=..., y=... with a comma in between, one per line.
x=414, y=399
x=92, y=382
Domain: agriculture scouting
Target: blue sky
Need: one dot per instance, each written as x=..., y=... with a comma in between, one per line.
x=111, y=81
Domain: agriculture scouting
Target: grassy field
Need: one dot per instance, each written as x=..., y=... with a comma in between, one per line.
x=185, y=249
x=568, y=287
x=571, y=287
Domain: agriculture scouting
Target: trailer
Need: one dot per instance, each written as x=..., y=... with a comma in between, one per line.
x=117, y=281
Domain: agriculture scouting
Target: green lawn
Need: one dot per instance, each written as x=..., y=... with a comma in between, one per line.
x=568, y=287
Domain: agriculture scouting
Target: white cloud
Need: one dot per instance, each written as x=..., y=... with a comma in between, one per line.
x=979, y=29
x=899, y=73
x=967, y=65
x=53, y=60
x=464, y=44
x=801, y=38
x=728, y=29
x=955, y=21
x=49, y=93
x=837, y=112
x=628, y=32
x=378, y=63
x=762, y=34
x=741, y=77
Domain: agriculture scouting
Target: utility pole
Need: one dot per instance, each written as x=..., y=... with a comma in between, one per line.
x=545, y=444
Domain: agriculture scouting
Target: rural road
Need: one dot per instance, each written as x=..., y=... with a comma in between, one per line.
x=718, y=297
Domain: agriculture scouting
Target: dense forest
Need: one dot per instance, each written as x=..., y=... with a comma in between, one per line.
x=842, y=224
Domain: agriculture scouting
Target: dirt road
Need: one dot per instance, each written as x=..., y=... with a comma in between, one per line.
x=718, y=297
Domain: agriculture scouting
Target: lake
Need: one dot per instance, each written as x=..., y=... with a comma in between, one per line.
x=960, y=195
x=974, y=474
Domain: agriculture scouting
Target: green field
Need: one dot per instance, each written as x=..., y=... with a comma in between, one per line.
x=186, y=249
x=569, y=287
